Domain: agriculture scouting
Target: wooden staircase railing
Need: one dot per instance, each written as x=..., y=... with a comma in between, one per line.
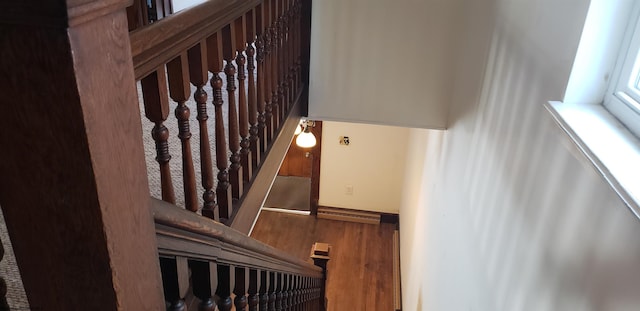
x=216, y=262
x=73, y=184
x=253, y=50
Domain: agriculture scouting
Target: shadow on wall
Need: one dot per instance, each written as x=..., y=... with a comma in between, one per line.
x=512, y=220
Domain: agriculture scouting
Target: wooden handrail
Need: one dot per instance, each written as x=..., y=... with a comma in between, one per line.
x=182, y=233
x=156, y=44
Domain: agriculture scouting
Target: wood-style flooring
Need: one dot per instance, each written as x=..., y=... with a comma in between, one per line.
x=360, y=272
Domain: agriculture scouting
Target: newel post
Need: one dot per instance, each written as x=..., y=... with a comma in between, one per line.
x=320, y=256
x=73, y=183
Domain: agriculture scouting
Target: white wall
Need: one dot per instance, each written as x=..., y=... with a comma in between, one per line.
x=372, y=164
x=507, y=215
x=179, y=5
x=383, y=62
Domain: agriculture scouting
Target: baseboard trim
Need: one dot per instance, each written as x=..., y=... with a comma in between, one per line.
x=397, y=293
x=287, y=211
x=343, y=214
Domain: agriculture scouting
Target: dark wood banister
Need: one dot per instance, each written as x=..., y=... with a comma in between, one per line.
x=181, y=232
x=154, y=45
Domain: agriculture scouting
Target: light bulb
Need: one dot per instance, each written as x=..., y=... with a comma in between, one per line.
x=306, y=139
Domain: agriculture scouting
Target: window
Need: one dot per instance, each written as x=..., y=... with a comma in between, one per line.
x=600, y=112
x=623, y=95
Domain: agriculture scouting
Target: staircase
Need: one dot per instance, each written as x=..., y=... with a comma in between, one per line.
x=74, y=191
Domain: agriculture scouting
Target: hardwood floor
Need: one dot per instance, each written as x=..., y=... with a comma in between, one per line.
x=360, y=272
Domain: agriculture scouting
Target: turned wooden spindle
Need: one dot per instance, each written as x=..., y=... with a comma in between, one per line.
x=254, y=139
x=204, y=276
x=300, y=293
x=175, y=281
x=179, y=90
x=268, y=76
x=265, y=278
x=254, y=284
x=291, y=51
x=199, y=75
x=286, y=71
x=224, y=288
x=293, y=292
x=156, y=109
x=279, y=290
x=240, y=288
x=303, y=297
x=282, y=85
x=275, y=52
x=235, y=169
x=272, y=290
x=261, y=76
x=243, y=106
x=284, y=292
x=223, y=189
x=298, y=44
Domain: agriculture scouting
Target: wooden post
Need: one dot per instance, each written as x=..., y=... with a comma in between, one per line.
x=73, y=182
x=320, y=255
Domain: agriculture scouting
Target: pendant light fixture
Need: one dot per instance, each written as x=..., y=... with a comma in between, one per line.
x=306, y=139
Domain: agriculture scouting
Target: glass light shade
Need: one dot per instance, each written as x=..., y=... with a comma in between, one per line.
x=298, y=130
x=306, y=140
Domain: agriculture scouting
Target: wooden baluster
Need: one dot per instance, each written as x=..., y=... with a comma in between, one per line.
x=278, y=291
x=281, y=61
x=268, y=50
x=303, y=290
x=275, y=108
x=295, y=294
x=268, y=86
x=264, y=290
x=315, y=294
x=262, y=76
x=298, y=44
x=254, y=139
x=223, y=291
x=305, y=294
x=156, y=109
x=254, y=285
x=199, y=75
x=228, y=52
x=287, y=55
x=291, y=61
x=240, y=288
x=175, y=281
x=214, y=64
x=179, y=90
x=272, y=290
x=243, y=106
x=284, y=291
x=204, y=276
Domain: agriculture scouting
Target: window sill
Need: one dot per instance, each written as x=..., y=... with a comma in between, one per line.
x=607, y=144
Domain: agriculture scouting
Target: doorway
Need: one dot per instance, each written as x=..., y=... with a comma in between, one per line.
x=297, y=186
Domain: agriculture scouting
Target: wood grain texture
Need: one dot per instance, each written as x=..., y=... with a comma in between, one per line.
x=160, y=42
x=73, y=183
x=360, y=272
x=181, y=233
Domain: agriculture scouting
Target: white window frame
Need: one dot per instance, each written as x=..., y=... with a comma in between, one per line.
x=622, y=99
x=589, y=113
